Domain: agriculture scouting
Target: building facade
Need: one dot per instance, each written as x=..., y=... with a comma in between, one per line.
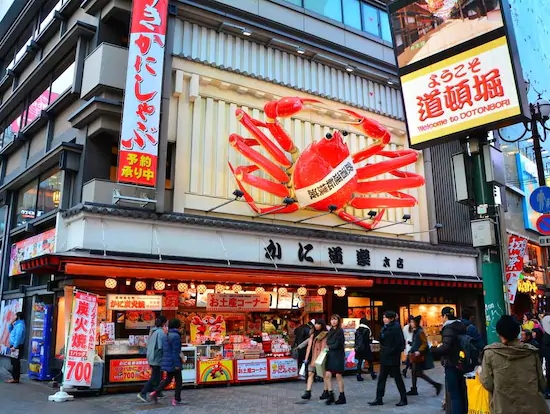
x=68, y=223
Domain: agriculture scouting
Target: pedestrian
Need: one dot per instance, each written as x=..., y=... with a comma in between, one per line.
x=171, y=362
x=363, y=339
x=336, y=359
x=527, y=338
x=512, y=373
x=17, y=330
x=449, y=351
x=421, y=358
x=154, y=357
x=530, y=322
x=301, y=335
x=392, y=344
x=471, y=329
x=316, y=343
x=545, y=352
x=408, y=334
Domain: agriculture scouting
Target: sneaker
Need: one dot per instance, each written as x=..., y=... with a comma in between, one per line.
x=154, y=397
x=142, y=398
x=175, y=402
x=161, y=396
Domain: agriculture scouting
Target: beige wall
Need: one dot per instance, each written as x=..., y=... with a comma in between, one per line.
x=205, y=119
x=38, y=143
x=15, y=160
x=61, y=121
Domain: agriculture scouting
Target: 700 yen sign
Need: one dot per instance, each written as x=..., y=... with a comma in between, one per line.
x=79, y=371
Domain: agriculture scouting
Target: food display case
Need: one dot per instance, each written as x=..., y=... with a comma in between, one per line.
x=350, y=325
x=189, y=368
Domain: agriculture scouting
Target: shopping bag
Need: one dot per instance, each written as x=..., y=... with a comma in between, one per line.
x=303, y=370
x=478, y=397
x=320, y=363
x=351, y=357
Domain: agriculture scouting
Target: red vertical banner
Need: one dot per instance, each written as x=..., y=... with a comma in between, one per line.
x=517, y=247
x=138, y=150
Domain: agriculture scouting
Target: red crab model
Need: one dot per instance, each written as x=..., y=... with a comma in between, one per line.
x=325, y=176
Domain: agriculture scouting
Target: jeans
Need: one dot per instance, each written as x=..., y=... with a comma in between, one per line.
x=16, y=364
x=382, y=378
x=153, y=381
x=169, y=376
x=456, y=387
x=417, y=372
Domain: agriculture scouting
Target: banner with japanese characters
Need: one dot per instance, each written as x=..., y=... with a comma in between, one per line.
x=81, y=341
x=517, y=248
x=138, y=151
x=470, y=90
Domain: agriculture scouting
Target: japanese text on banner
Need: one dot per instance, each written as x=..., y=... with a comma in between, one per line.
x=243, y=303
x=517, y=247
x=138, y=152
x=80, y=349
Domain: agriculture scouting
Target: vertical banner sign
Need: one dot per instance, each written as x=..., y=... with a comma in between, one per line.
x=138, y=151
x=517, y=247
x=80, y=348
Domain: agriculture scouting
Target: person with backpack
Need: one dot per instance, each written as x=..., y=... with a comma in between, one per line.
x=363, y=352
x=454, y=338
x=154, y=357
x=471, y=329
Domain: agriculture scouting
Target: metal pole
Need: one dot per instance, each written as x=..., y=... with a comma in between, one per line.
x=491, y=267
x=537, y=149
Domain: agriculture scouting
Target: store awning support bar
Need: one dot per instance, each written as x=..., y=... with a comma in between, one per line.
x=270, y=256
x=335, y=269
x=224, y=250
x=158, y=244
x=103, y=237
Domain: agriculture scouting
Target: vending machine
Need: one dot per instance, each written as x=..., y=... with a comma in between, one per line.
x=39, y=353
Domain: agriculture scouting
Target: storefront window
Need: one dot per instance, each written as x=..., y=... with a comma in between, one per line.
x=352, y=13
x=39, y=197
x=26, y=203
x=329, y=8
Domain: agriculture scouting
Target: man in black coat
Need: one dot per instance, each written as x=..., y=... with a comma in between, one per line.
x=301, y=334
x=392, y=344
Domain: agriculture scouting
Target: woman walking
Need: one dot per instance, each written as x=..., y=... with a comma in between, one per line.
x=171, y=362
x=362, y=349
x=421, y=358
x=336, y=359
x=317, y=342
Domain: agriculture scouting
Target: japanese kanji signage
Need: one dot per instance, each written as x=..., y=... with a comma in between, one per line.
x=517, y=247
x=81, y=341
x=221, y=302
x=106, y=333
x=134, y=302
x=283, y=368
x=469, y=90
x=251, y=369
x=138, y=152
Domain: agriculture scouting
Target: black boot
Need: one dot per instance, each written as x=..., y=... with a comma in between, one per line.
x=373, y=374
x=377, y=402
x=438, y=388
x=341, y=399
x=402, y=403
x=330, y=398
x=307, y=395
x=324, y=395
x=359, y=377
x=413, y=391
x=404, y=372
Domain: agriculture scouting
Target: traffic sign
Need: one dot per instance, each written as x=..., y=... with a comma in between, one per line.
x=543, y=224
x=544, y=241
x=540, y=200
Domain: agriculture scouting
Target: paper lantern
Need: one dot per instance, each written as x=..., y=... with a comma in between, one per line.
x=321, y=291
x=259, y=290
x=110, y=283
x=219, y=288
x=237, y=288
x=140, y=286
x=159, y=285
x=182, y=287
x=201, y=288
x=283, y=291
x=340, y=293
x=302, y=291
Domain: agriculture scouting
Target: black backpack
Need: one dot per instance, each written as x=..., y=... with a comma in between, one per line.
x=469, y=354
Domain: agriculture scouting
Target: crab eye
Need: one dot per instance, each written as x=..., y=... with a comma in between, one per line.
x=328, y=135
x=345, y=133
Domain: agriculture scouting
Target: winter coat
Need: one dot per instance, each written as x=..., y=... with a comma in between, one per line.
x=471, y=330
x=392, y=344
x=301, y=333
x=362, y=343
x=450, y=343
x=171, y=349
x=154, y=346
x=512, y=374
x=420, y=344
x=316, y=345
x=408, y=335
x=336, y=357
x=545, y=346
x=17, y=333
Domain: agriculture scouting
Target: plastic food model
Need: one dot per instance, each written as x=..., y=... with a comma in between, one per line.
x=325, y=176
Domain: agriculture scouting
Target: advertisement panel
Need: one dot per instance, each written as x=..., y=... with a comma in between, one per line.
x=215, y=371
x=41, y=244
x=528, y=182
x=138, y=150
x=222, y=302
x=251, y=369
x=80, y=348
x=282, y=368
x=517, y=247
x=7, y=315
x=129, y=370
x=134, y=302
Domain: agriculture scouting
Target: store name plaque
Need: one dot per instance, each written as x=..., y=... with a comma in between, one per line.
x=134, y=302
x=221, y=302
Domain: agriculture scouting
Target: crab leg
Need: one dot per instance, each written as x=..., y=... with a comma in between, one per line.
x=400, y=200
x=252, y=125
x=401, y=158
x=290, y=208
x=265, y=164
x=245, y=175
x=369, y=225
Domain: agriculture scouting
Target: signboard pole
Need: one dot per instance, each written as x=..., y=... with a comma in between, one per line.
x=491, y=267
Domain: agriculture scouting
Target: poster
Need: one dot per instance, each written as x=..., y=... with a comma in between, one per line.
x=283, y=368
x=517, y=247
x=170, y=298
x=209, y=327
x=138, y=340
x=80, y=354
x=106, y=333
x=313, y=304
x=216, y=371
x=251, y=369
x=139, y=319
x=43, y=243
x=8, y=309
x=129, y=370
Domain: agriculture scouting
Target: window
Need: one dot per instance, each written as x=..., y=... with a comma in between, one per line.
x=329, y=8
x=3, y=211
x=12, y=127
x=370, y=20
x=39, y=197
x=385, y=26
x=352, y=13
x=62, y=83
x=295, y=2
x=48, y=16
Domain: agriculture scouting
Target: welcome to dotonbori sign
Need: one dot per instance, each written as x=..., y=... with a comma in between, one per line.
x=458, y=71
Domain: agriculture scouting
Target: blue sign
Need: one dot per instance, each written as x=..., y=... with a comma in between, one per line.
x=528, y=182
x=540, y=200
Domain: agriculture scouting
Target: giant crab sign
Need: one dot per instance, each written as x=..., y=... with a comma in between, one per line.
x=325, y=176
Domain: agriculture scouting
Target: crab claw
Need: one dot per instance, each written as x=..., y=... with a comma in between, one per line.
x=286, y=107
x=371, y=128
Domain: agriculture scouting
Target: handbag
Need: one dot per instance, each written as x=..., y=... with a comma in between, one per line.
x=303, y=370
x=416, y=359
x=320, y=363
x=478, y=396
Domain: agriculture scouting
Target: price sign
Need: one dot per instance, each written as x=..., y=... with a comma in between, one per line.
x=283, y=368
x=80, y=350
